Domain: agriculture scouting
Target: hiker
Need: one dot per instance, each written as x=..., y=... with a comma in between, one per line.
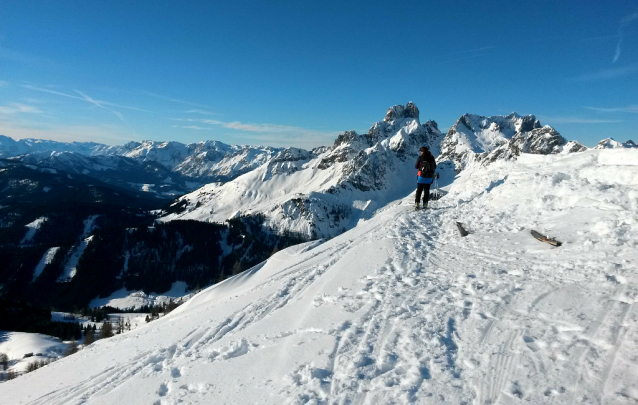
x=426, y=165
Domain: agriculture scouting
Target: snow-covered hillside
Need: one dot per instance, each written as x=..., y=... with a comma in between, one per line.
x=401, y=309
x=323, y=195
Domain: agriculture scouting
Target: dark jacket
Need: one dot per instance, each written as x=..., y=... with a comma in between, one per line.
x=428, y=158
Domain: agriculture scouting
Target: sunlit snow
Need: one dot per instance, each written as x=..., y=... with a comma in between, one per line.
x=402, y=309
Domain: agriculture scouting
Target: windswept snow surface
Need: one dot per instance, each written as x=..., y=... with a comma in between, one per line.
x=401, y=309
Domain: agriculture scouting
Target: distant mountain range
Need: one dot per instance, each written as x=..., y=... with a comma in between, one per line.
x=74, y=213
x=166, y=169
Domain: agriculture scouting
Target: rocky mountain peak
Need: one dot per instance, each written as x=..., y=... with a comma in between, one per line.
x=611, y=143
x=397, y=112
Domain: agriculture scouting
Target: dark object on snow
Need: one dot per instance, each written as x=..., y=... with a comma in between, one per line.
x=27, y=355
x=462, y=230
x=547, y=239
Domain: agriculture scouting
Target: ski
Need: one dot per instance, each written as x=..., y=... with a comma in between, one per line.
x=547, y=239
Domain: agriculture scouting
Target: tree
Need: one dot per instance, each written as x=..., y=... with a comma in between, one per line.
x=4, y=361
x=237, y=267
x=89, y=336
x=119, y=326
x=107, y=330
x=72, y=349
x=34, y=365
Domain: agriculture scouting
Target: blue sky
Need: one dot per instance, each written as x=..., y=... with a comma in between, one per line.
x=297, y=73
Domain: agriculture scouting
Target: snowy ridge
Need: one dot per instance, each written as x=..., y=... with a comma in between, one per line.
x=610, y=143
x=321, y=195
x=500, y=137
x=401, y=309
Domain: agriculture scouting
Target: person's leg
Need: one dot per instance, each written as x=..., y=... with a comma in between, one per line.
x=426, y=194
x=419, y=190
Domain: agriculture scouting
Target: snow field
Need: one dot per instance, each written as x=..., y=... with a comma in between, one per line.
x=401, y=309
x=124, y=298
x=16, y=344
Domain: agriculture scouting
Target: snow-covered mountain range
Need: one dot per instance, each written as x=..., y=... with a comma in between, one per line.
x=325, y=192
x=500, y=137
x=167, y=169
x=294, y=193
x=402, y=309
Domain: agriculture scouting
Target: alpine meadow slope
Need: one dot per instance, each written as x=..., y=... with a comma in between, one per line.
x=401, y=309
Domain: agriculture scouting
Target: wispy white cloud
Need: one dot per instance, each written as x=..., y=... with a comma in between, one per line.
x=271, y=134
x=194, y=127
x=98, y=104
x=3, y=83
x=608, y=74
x=628, y=109
x=85, y=98
x=175, y=100
x=16, y=108
x=626, y=21
x=574, y=120
x=200, y=112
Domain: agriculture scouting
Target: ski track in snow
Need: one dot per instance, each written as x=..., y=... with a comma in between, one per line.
x=493, y=318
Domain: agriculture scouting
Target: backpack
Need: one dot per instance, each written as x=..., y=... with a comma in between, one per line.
x=427, y=169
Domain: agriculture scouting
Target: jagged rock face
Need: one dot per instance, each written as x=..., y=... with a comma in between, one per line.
x=288, y=161
x=539, y=141
x=472, y=134
x=573, y=146
x=610, y=143
x=215, y=161
x=366, y=156
x=398, y=112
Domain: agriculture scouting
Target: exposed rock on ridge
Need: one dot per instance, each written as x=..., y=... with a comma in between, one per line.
x=499, y=137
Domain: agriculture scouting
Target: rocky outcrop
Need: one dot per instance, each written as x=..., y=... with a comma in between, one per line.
x=398, y=112
x=538, y=141
x=476, y=134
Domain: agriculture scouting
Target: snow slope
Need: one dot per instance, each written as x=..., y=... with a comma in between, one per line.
x=401, y=309
x=70, y=267
x=18, y=344
x=124, y=299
